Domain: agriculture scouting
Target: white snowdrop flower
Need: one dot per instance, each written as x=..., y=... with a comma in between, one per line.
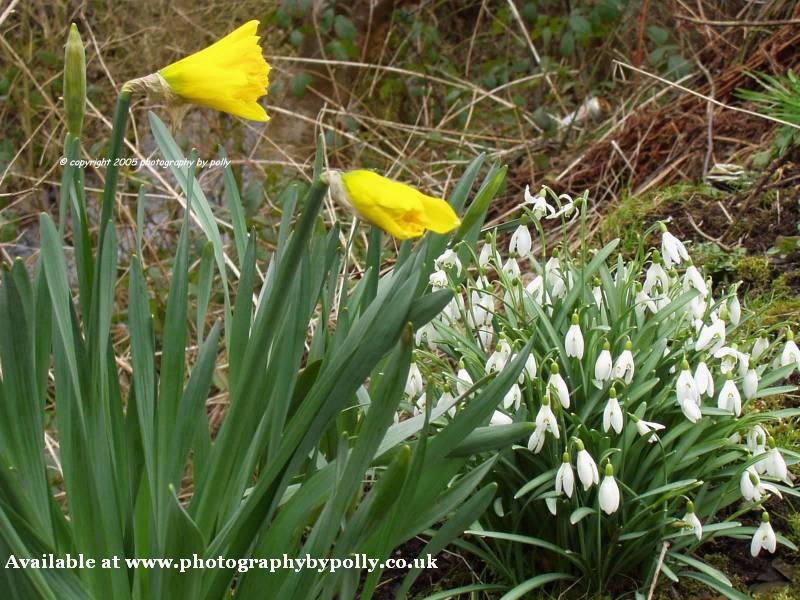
x=511, y=268
x=752, y=488
x=448, y=260
x=485, y=258
x=463, y=381
x=485, y=336
x=775, y=465
x=750, y=384
x=587, y=468
x=427, y=334
x=764, y=537
x=656, y=278
x=735, y=310
x=499, y=358
x=711, y=337
x=513, y=397
x=609, y=492
x=419, y=406
x=500, y=418
x=697, y=309
x=603, y=364
x=539, y=206
x=535, y=289
x=729, y=358
x=646, y=428
x=597, y=294
x=557, y=384
x=643, y=303
x=623, y=366
x=452, y=312
x=729, y=398
x=521, y=242
x=568, y=208
x=414, y=384
x=687, y=395
x=573, y=343
x=672, y=249
x=438, y=279
x=530, y=367
x=447, y=398
x=735, y=438
x=545, y=421
x=760, y=346
x=693, y=279
x=756, y=440
x=791, y=353
x=565, y=477
x=612, y=413
x=553, y=275
x=703, y=380
x=692, y=521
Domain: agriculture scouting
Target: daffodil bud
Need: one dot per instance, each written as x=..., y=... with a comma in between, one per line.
x=74, y=81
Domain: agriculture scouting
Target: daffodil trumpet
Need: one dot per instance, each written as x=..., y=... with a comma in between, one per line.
x=230, y=76
x=399, y=209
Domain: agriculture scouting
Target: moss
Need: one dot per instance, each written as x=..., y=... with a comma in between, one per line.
x=629, y=217
x=754, y=271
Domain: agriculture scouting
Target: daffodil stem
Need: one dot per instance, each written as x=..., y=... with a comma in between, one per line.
x=114, y=152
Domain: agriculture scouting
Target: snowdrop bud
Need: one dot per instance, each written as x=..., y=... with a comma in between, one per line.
x=521, y=242
x=609, y=492
x=759, y=347
x=597, y=292
x=530, y=367
x=573, y=344
x=735, y=310
x=764, y=537
x=602, y=367
x=612, y=413
x=565, y=478
x=750, y=383
x=557, y=383
x=692, y=521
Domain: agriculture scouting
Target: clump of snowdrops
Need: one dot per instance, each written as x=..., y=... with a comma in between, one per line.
x=650, y=434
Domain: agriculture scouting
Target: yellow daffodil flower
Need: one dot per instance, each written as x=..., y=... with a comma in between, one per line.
x=230, y=76
x=395, y=207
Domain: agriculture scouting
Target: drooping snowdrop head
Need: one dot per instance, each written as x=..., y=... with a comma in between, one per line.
x=448, y=260
x=764, y=537
x=692, y=521
x=729, y=398
x=587, y=468
x=791, y=353
x=624, y=367
x=538, y=203
x=565, y=478
x=573, y=343
x=672, y=249
x=603, y=364
x=521, y=242
x=608, y=495
x=557, y=385
x=612, y=413
x=647, y=428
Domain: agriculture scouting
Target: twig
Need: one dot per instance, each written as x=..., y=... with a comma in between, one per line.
x=8, y=10
x=660, y=564
x=765, y=23
x=707, y=98
x=705, y=235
